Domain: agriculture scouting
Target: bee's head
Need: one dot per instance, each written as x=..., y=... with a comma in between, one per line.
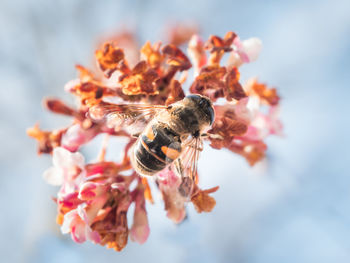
x=203, y=104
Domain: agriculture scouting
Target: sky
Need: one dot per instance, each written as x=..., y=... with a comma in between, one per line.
x=294, y=207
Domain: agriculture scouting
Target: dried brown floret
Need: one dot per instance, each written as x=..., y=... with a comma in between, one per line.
x=176, y=58
x=89, y=90
x=218, y=46
x=109, y=59
x=176, y=92
x=269, y=96
x=233, y=89
x=252, y=151
x=59, y=107
x=47, y=139
x=225, y=127
x=84, y=74
x=90, y=93
x=140, y=80
x=210, y=82
x=202, y=201
x=152, y=54
x=126, y=40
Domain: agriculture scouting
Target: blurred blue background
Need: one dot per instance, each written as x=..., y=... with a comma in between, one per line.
x=296, y=208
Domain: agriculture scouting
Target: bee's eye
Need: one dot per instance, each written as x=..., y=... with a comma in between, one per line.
x=206, y=106
x=211, y=114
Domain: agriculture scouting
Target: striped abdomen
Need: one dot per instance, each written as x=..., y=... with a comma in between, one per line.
x=155, y=148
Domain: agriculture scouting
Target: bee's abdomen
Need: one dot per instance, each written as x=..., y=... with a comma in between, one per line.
x=155, y=148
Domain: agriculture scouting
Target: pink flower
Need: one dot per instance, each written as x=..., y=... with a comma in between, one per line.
x=91, y=190
x=263, y=125
x=197, y=53
x=76, y=136
x=78, y=221
x=68, y=201
x=168, y=179
x=174, y=201
x=68, y=168
x=245, y=51
x=75, y=222
x=140, y=230
x=260, y=125
x=247, y=108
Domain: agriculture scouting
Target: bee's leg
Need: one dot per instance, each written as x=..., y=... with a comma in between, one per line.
x=136, y=135
x=178, y=167
x=186, y=186
x=204, y=135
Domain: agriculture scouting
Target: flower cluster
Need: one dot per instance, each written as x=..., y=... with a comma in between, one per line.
x=94, y=198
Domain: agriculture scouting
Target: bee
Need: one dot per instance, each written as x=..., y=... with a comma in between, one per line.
x=170, y=136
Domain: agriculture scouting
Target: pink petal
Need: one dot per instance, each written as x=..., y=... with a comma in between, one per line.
x=78, y=233
x=76, y=136
x=177, y=215
x=94, y=236
x=196, y=53
x=87, y=191
x=140, y=230
x=243, y=56
x=72, y=223
x=242, y=111
x=94, y=207
x=68, y=200
x=252, y=134
x=76, y=223
x=168, y=178
x=275, y=124
x=82, y=213
x=246, y=109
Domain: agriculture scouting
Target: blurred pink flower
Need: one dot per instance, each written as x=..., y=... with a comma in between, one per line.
x=244, y=51
x=140, y=230
x=196, y=52
x=76, y=223
x=76, y=136
x=174, y=202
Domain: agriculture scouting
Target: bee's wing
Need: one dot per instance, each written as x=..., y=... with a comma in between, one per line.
x=187, y=164
x=133, y=117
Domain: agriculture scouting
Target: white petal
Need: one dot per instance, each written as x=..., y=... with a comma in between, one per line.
x=53, y=176
x=252, y=47
x=65, y=159
x=77, y=159
x=60, y=157
x=71, y=84
x=67, y=221
x=234, y=60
